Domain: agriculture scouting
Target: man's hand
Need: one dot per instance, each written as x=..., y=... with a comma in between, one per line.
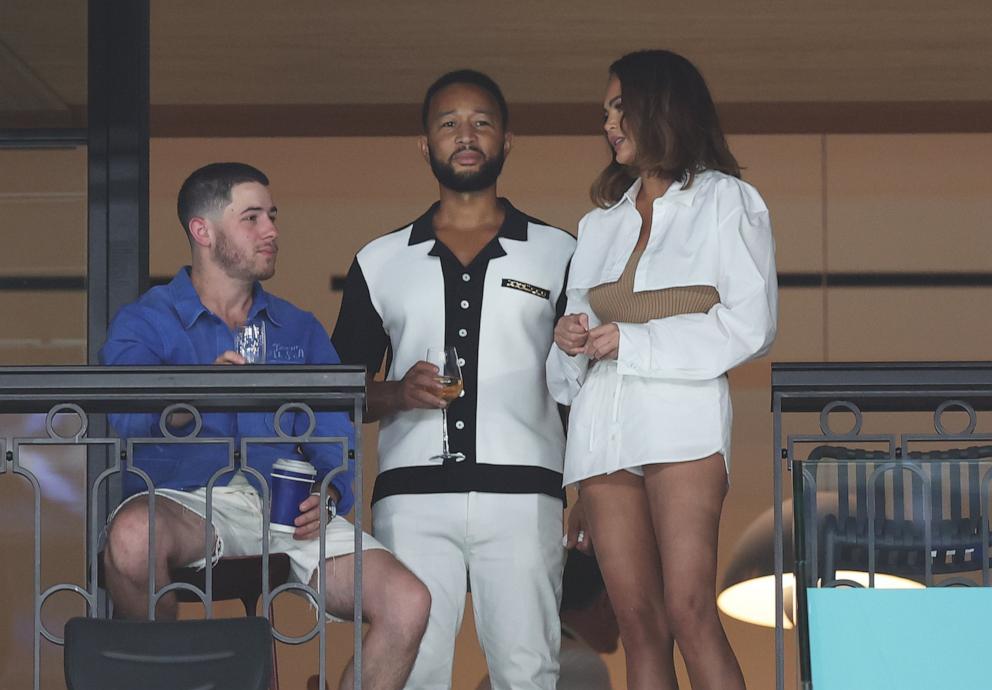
x=571, y=333
x=177, y=420
x=418, y=389
x=603, y=342
x=230, y=357
x=576, y=532
x=308, y=522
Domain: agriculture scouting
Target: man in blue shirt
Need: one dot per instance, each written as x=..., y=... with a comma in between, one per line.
x=230, y=222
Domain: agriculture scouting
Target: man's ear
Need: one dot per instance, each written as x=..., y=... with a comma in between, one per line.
x=507, y=143
x=425, y=150
x=199, y=231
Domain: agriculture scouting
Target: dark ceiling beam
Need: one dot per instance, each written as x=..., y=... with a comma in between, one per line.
x=564, y=119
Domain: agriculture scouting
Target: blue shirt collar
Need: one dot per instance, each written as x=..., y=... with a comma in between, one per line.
x=189, y=307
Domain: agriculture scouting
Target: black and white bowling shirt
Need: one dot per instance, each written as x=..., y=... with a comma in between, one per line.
x=406, y=292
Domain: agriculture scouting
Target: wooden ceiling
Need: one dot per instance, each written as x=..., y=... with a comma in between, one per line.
x=345, y=55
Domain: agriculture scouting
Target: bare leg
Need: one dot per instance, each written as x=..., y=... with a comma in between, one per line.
x=178, y=540
x=686, y=499
x=619, y=521
x=396, y=606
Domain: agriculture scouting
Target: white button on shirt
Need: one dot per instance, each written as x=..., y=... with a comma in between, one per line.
x=464, y=304
x=666, y=397
x=466, y=277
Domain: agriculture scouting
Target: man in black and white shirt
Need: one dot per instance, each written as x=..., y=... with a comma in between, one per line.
x=475, y=273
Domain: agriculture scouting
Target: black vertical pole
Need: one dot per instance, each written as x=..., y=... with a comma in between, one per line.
x=118, y=160
x=117, y=123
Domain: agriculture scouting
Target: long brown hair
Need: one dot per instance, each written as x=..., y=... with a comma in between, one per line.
x=669, y=113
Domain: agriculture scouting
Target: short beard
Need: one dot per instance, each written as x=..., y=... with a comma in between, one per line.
x=483, y=178
x=236, y=265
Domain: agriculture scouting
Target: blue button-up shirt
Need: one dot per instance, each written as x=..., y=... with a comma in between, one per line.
x=170, y=325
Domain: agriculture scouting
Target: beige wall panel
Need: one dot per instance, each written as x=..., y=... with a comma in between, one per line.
x=909, y=324
x=30, y=172
x=788, y=172
x=43, y=328
x=45, y=234
x=550, y=177
x=909, y=202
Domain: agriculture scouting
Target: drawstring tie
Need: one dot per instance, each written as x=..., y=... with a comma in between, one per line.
x=614, y=417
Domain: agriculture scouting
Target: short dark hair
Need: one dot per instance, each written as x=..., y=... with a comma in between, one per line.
x=466, y=76
x=669, y=112
x=581, y=581
x=209, y=188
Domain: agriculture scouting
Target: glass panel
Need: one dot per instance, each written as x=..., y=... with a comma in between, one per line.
x=43, y=306
x=43, y=265
x=43, y=63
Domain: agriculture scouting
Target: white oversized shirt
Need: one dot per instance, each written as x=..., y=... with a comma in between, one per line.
x=666, y=397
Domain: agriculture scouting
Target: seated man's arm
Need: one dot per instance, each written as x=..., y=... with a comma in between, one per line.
x=132, y=340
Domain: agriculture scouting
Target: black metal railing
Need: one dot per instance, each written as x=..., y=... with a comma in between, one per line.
x=73, y=397
x=896, y=493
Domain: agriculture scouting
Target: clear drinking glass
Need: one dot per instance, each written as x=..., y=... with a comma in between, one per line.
x=450, y=377
x=249, y=340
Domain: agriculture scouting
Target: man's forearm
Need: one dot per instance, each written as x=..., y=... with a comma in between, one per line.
x=383, y=398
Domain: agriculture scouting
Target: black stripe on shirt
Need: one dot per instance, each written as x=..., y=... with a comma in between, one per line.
x=462, y=477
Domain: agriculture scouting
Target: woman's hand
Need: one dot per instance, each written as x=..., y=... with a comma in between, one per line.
x=571, y=333
x=603, y=342
x=576, y=533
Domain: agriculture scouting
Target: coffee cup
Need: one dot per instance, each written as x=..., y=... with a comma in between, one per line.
x=291, y=484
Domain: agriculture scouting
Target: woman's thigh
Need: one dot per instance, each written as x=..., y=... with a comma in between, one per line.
x=686, y=499
x=619, y=522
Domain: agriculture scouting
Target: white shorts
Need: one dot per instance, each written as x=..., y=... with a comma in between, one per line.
x=237, y=520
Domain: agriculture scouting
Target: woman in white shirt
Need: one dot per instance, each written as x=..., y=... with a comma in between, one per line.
x=672, y=284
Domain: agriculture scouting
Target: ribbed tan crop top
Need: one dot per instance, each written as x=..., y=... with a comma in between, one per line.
x=618, y=302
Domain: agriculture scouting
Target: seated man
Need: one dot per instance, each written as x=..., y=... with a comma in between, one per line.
x=229, y=218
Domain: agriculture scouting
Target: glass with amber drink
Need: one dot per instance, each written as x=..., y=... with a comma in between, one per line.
x=449, y=375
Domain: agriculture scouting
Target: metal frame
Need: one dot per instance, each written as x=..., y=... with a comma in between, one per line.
x=858, y=388
x=93, y=390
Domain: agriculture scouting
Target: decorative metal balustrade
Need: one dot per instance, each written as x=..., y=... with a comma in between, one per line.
x=84, y=394
x=897, y=493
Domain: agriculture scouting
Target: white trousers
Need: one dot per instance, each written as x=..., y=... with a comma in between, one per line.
x=509, y=547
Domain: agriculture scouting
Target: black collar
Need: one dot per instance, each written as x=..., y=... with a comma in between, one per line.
x=514, y=224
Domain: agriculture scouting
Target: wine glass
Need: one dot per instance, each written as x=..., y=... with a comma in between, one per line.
x=450, y=377
x=249, y=341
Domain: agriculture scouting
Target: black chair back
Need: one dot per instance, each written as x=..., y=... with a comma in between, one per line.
x=219, y=654
x=944, y=485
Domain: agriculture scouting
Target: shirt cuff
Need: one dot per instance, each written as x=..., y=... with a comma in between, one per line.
x=634, y=353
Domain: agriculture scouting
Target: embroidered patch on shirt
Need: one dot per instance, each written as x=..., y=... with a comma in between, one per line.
x=279, y=352
x=526, y=287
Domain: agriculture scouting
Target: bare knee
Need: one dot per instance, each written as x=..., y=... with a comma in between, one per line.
x=126, y=551
x=690, y=614
x=404, y=607
x=642, y=627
